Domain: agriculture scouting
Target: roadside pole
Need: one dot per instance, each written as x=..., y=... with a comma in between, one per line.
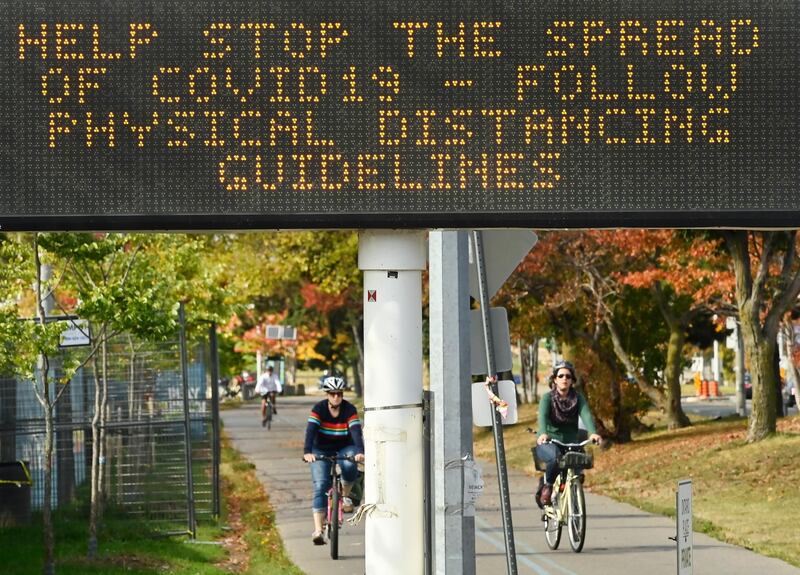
x=392, y=262
x=215, y=428
x=192, y=524
x=453, y=545
x=497, y=427
x=684, y=536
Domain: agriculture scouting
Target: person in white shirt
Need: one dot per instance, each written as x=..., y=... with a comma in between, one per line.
x=268, y=387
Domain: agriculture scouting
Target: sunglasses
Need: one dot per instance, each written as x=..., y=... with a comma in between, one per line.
x=337, y=393
x=564, y=376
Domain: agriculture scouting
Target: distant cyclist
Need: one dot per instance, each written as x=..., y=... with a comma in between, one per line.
x=333, y=429
x=558, y=419
x=268, y=387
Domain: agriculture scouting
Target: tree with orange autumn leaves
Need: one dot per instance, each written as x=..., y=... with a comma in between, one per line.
x=309, y=280
x=617, y=297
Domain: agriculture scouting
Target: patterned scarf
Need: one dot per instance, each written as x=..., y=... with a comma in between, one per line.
x=563, y=409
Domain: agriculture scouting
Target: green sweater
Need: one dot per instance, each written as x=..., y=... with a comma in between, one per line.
x=568, y=432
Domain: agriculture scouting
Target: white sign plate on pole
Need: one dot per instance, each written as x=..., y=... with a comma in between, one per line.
x=473, y=486
x=482, y=410
x=685, y=528
x=501, y=344
x=503, y=250
x=732, y=341
x=76, y=333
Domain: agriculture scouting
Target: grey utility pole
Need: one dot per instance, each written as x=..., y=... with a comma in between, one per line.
x=453, y=546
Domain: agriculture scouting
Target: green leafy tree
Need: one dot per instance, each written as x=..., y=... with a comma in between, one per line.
x=31, y=342
x=122, y=284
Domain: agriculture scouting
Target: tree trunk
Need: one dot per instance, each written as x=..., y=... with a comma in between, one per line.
x=523, y=396
x=359, y=381
x=655, y=394
x=528, y=360
x=103, y=467
x=676, y=418
x=93, y=494
x=533, y=368
x=760, y=349
x=47, y=513
x=48, y=535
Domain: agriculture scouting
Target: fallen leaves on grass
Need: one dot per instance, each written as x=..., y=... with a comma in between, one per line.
x=238, y=558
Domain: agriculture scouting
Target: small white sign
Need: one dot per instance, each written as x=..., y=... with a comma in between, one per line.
x=685, y=528
x=76, y=333
x=473, y=486
x=483, y=410
x=732, y=341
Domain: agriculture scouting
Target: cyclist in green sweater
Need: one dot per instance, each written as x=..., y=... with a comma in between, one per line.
x=559, y=409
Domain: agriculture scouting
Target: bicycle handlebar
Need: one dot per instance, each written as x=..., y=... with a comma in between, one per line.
x=333, y=458
x=567, y=445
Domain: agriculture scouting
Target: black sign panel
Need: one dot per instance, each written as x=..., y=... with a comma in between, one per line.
x=295, y=113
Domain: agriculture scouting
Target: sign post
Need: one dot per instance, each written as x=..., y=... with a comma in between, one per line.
x=497, y=427
x=683, y=499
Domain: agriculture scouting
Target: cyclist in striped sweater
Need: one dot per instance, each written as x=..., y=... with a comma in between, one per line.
x=333, y=429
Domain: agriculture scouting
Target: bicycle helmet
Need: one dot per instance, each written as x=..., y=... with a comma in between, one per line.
x=563, y=364
x=333, y=384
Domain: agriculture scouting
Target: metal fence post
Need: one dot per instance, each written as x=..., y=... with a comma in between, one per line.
x=187, y=423
x=215, y=439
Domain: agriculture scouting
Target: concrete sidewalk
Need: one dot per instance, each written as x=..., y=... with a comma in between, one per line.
x=620, y=538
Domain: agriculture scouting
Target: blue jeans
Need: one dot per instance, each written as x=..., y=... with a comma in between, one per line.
x=321, y=475
x=549, y=453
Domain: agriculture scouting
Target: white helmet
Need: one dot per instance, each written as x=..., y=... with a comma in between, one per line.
x=333, y=384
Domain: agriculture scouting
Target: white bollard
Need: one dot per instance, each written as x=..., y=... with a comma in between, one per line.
x=392, y=262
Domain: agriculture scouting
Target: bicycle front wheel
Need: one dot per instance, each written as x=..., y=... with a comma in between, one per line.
x=333, y=524
x=577, y=516
x=269, y=415
x=552, y=531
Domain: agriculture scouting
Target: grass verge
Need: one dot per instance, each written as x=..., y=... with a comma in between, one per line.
x=245, y=540
x=254, y=536
x=127, y=546
x=745, y=494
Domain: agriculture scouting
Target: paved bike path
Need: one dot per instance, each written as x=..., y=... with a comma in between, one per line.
x=620, y=538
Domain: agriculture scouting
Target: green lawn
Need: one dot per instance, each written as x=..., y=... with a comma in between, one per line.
x=126, y=546
x=252, y=545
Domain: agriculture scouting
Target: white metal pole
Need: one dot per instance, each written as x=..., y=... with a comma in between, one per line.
x=453, y=545
x=392, y=262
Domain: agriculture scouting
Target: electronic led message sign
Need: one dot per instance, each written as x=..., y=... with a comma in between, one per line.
x=299, y=113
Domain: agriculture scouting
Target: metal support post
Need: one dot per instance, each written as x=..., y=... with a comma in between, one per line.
x=215, y=439
x=187, y=424
x=497, y=426
x=453, y=545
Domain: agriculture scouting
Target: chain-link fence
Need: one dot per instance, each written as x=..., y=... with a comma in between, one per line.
x=150, y=460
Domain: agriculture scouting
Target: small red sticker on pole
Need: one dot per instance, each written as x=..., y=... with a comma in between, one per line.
x=372, y=295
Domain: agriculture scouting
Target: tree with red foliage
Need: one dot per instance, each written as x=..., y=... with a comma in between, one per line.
x=580, y=280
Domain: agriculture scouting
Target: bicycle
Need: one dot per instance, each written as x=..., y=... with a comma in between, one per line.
x=567, y=504
x=266, y=421
x=335, y=513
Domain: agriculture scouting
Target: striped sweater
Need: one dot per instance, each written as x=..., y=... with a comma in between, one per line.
x=330, y=433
